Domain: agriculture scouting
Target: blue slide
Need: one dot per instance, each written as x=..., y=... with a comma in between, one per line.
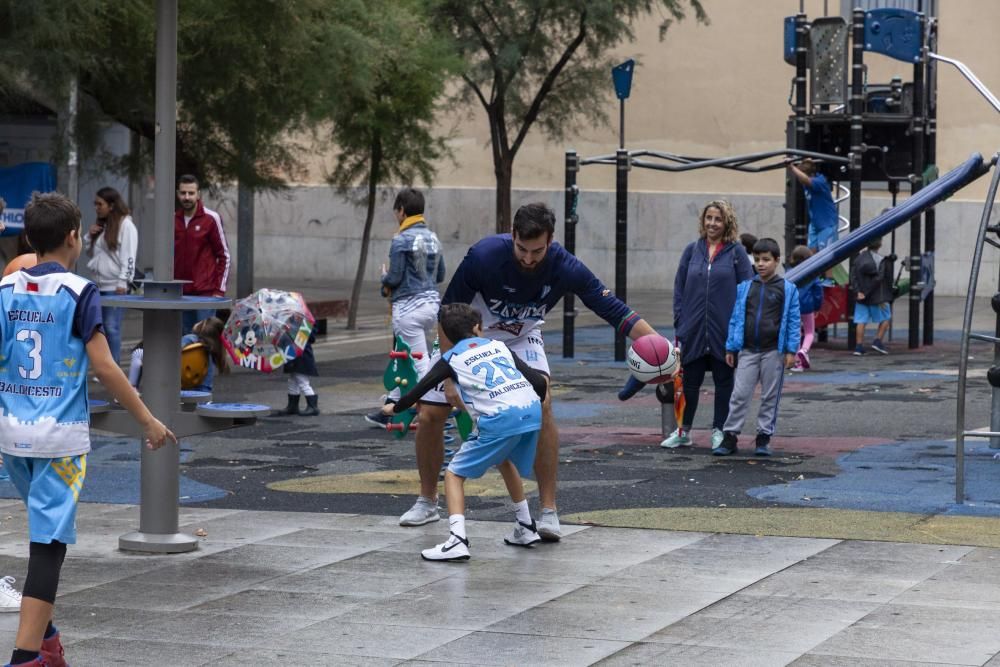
x=933, y=194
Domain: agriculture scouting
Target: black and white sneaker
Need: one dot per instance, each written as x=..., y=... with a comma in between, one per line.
x=454, y=548
x=378, y=419
x=523, y=535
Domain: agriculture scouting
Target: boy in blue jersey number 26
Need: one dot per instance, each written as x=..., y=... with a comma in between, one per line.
x=504, y=395
x=51, y=329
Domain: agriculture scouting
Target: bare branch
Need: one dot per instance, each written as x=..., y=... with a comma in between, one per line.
x=549, y=81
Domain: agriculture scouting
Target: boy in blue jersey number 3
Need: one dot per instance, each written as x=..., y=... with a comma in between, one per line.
x=51, y=329
x=504, y=395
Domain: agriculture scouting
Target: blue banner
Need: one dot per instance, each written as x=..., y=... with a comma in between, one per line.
x=16, y=185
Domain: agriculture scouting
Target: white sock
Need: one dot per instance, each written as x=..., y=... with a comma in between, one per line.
x=522, y=513
x=456, y=523
x=429, y=501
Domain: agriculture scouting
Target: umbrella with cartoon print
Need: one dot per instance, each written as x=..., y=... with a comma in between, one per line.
x=267, y=329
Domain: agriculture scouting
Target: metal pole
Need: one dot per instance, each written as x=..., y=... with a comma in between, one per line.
x=801, y=120
x=621, y=123
x=166, y=135
x=160, y=470
x=569, y=242
x=930, y=217
x=994, y=392
x=72, y=152
x=857, y=138
x=621, y=240
x=963, y=355
x=916, y=185
x=244, y=238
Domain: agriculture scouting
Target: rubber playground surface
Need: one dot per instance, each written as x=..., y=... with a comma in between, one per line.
x=864, y=450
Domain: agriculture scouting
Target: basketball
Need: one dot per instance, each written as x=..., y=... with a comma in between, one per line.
x=25, y=261
x=652, y=359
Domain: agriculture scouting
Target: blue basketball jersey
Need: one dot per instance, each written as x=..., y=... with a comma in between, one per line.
x=48, y=315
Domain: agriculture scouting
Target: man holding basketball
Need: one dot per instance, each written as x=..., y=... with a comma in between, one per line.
x=514, y=280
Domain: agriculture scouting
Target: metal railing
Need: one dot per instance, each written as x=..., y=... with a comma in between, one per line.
x=963, y=362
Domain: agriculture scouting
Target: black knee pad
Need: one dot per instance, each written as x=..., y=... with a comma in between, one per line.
x=44, y=565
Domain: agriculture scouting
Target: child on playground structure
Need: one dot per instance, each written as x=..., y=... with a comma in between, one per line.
x=810, y=301
x=51, y=333
x=504, y=395
x=764, y=332
x=202, y=355
x=871, y=280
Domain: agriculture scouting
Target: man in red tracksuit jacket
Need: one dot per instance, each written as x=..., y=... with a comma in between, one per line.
x=201, y=254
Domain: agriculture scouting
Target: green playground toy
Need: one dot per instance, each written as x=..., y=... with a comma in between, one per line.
x=401, y=372
x=463, y=422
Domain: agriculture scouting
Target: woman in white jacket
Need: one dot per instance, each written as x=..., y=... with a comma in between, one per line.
x=111, y=246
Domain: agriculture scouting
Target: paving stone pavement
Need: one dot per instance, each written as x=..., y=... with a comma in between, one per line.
x=339, y=589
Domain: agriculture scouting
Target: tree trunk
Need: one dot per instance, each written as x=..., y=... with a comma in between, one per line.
x=374, y=174
x=503, y=169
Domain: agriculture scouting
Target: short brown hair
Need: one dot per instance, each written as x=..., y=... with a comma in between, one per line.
x=800, y=253
x=48, y=219
x=533, y=221
x=458, y=319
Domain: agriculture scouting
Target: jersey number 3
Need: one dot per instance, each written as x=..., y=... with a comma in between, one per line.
x=493, y=378
x=35, y=354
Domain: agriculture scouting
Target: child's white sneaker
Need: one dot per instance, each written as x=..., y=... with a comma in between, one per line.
x=717, y=436
x=678, y=438
x=523, y=535
x=10, y=599
x=548, y=525
x=454, y=548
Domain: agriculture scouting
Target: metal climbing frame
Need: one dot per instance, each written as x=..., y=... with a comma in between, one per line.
x=624, y=160
x=985, y=228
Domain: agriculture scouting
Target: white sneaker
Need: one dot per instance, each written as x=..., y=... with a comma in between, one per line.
x=676, y=439
x=523, y=535
x=717, y=437
x=547, y=526
x=10, y=599
x=454, y=548
x=422, y=512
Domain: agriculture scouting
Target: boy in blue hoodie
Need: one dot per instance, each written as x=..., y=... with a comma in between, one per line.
x=764, y=332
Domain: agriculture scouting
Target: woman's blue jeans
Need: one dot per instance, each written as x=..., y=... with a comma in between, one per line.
x=112, y=327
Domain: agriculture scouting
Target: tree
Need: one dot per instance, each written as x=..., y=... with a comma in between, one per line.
x=383, y=107
x=245, y=78
x=540, y=61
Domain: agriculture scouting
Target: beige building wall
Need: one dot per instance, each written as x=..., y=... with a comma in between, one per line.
x=709, y=90
x=723, y=89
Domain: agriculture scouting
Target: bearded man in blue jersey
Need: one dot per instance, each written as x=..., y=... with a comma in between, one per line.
x=514, y=280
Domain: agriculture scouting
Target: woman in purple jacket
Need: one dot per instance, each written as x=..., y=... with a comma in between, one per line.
x=704, y=294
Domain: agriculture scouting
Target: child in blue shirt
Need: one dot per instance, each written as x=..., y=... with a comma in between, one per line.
x=50, y=332
x=503, y=394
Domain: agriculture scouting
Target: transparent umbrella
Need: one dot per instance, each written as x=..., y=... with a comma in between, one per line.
x=267, y=329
